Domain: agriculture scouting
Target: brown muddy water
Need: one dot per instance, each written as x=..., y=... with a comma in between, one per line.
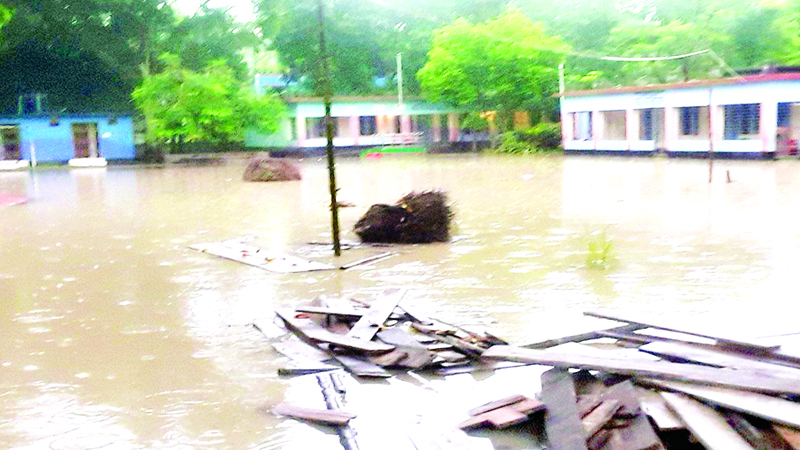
x=115, y=335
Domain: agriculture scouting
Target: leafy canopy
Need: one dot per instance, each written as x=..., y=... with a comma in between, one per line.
x=210, y=106
x=505, y=64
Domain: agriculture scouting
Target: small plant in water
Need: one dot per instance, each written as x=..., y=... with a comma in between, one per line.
x=601, y=250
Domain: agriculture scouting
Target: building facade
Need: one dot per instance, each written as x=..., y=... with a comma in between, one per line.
x=754, y=116
x=81, y=140
x=361, y=122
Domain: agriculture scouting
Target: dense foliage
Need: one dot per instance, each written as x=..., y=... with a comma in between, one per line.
x=210, y=106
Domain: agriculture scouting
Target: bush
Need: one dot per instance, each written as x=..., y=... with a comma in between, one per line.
x=542, y=137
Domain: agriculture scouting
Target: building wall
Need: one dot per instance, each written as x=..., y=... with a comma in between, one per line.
x=767, y=94
x=54, y=143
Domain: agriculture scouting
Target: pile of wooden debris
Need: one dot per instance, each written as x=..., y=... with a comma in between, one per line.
x=647, y=392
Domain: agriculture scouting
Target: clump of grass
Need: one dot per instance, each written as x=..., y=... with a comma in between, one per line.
x=600, y=250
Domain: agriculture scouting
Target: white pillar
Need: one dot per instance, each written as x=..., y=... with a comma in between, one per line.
x=768, y=126
x=567, y=128
x=670, y=127
x=436, y=125
x=355, y=128
x=301, y=131
x=631, y=126
x=452, y=125
x=598, y=125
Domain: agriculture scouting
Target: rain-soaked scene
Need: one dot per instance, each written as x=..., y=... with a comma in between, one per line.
x=417, y=225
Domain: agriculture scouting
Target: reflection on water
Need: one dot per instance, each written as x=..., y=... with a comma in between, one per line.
x=115, y=335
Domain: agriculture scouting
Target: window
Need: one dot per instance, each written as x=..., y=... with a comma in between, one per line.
x=583, y=126
x=9, y=134
x=784, y=114
x=367, y=125
x=316, y=127
x=741, y=120
x=690, y=121
x=646, y=125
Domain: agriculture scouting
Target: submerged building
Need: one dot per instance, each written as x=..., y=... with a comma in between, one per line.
x=360, y=122
x=752, y=116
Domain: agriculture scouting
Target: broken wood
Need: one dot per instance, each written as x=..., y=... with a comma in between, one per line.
x=654, y=406
x=599, y=417
x=504, y=416
x=323, y=416
x=380, y=310
x=707, y=425
x=360, y=367
x=562, y=422
x=660, y=369
x=486, y=407
x=770, y=408
x=292, y=371
x=635, y=431
x=346, y=436
x=716, y=358
x=417, y=356
x=588, y=336
x=722, y=340
x=311, y=331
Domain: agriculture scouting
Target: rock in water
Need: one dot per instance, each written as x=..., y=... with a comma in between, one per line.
x=418, y=218
x=269, y=169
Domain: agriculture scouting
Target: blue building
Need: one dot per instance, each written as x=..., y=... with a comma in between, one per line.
x=80, y=140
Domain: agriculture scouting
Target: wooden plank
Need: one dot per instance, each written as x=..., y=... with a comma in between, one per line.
x=367, y=260
x=323, y=416
x=723, y=340
x=790, y=435
x=754, y=431
x=638, y=434
x=360, y=367
x=291, y=371
x=349, y=314
x=659, y=369
x=711, y=357
x=770, y=408
x=498, y=418
x=309, y=330
x=261, y=258
x=654, y=406
x=587, y=404
x=486, y=407
x=579, y=337
x=599, y=417
x=301, y=352
x=380, y=309
x=562, y=422
x=707, y=425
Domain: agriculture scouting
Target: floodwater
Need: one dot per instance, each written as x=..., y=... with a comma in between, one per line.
x=115, y=335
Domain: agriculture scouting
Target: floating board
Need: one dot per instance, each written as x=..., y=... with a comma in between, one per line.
x=11, y=199
x=261, y=258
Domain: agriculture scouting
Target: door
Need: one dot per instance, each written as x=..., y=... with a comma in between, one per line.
x=9, y=142
x=84, y=135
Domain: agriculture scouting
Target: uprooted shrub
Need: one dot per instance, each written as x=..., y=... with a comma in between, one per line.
x=268, y=169
x=417, y=218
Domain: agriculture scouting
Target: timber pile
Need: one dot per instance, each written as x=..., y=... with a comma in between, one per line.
x=648, y=392
x=726, y=394
x=367, y=341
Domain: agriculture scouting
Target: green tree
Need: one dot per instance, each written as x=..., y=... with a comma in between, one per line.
x=505, y=64
x=210, y=106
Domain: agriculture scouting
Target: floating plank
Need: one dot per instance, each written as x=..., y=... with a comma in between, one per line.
x=380, y=310
x=504, y=416
x=653, y=369
x=723, y=340
x=301, y=352
x=350, y=314
x=417, y=356
x=588, y=336
x=361, y=368
x=486, y=407
x=599, y=417
x=476, y=368
x=310, y=330
x=562, y=422
x=323, y=416
x=292, y=371
x=715, y=358
x=770, y=408
x=261, y=258
x=790, y=435
x=756, y=432
x=707, y=425
x=367, y=260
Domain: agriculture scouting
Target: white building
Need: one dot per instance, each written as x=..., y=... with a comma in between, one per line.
x=754, y=116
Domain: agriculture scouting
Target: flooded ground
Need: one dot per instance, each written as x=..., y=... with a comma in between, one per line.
x=115, y=335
